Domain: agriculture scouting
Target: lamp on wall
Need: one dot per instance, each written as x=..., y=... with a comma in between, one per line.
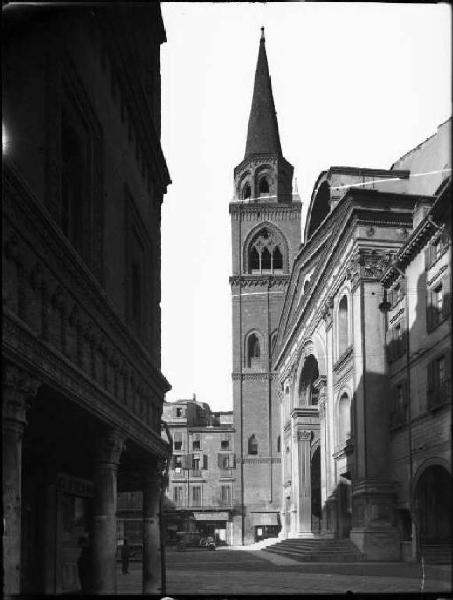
x=385, y=305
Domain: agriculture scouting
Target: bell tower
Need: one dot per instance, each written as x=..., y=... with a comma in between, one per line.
x=265, y=235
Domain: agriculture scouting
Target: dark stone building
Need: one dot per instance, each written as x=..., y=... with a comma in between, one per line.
x=83, y=182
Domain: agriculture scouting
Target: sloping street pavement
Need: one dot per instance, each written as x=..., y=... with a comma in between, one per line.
x=258, y=572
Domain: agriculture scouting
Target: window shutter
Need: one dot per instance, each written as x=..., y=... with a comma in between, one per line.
x=220, y=460
x=431, y=381
x=429, y=310
x=447, y=355
x=403, y=286
x=205, y=461
x=446, y=301
x=172, y=462
x=427, y=257
x=233, y=461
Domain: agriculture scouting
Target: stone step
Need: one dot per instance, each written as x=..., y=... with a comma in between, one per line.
x=318, y=550
x=440, y=554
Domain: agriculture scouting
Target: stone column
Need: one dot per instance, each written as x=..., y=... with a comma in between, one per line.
x=18, y=389
x=109, y=447
x=152, y=481
x=304, y=492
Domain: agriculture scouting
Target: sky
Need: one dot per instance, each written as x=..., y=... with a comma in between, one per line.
x=354, y=84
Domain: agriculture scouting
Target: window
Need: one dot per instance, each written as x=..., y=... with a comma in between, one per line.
x=196, y=463
x=177, y=463
x=438, y=303
x=265, y=253
x=306, y=286
x=344, y=419
x=196, y=495
x=342, y=326
x=263, y=186
x=177, y=440
x=279, y=444
x=396, y=346
x=225, y=495
x=253, y=351
x=246, y=191
x=277, y=259
x=398, y=412
x=225, y=441
x=435, y=249
x=252, y=445
x=178, y=495
x=196, y=441
x=439, y=376
x=266, y=261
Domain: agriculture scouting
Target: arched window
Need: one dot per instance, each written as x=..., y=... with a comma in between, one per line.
x=246, y=191
x=344, y=419
x=266, y=263
x=308, y=394
x=306, y=286
x=279, y=444
x=277, y=259
x=265, y=252
x=342, y=325
x=252, y=445
x=253, y=350
x=263, y=186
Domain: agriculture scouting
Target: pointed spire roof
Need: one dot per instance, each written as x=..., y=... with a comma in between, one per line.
x=262, y=135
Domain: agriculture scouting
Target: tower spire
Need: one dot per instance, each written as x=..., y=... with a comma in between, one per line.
x=262, y=134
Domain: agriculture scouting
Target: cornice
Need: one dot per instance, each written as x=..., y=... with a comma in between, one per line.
x=265, y=207
x=259, y=159
x=268, y=281
x=41, y=360
x=261, y=376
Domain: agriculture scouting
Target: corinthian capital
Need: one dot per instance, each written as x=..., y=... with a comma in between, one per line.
x=18, y=388
x=303, y=436
x=109, y=447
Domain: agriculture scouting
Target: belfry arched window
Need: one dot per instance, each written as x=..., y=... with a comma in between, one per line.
x=246, y=191
x=263, y=186
x=253, y=350
x=265, y=252
x=342, y=325
x=252, y=445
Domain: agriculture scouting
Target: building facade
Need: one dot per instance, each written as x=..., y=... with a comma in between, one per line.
x=265, y=234
x=364, y=383
x=83, y=183
x=203, y=468
x=341, y=397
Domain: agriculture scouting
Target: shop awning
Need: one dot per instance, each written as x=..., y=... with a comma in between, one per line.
x=211, y=516
x=260, y=519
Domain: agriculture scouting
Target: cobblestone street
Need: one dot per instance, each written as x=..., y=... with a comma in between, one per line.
x=255, y=572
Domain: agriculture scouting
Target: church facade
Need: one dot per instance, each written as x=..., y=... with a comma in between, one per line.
x=324, y=371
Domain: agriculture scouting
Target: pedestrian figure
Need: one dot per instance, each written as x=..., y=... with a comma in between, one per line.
x=84, y=565
x=125, y=556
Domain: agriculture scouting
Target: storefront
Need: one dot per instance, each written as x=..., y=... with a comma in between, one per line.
x=265, y=525
x=215, y=524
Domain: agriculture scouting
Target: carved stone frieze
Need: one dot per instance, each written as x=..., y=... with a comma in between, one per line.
x=369, y=264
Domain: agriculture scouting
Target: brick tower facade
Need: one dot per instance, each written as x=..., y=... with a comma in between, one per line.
x=265, y=227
